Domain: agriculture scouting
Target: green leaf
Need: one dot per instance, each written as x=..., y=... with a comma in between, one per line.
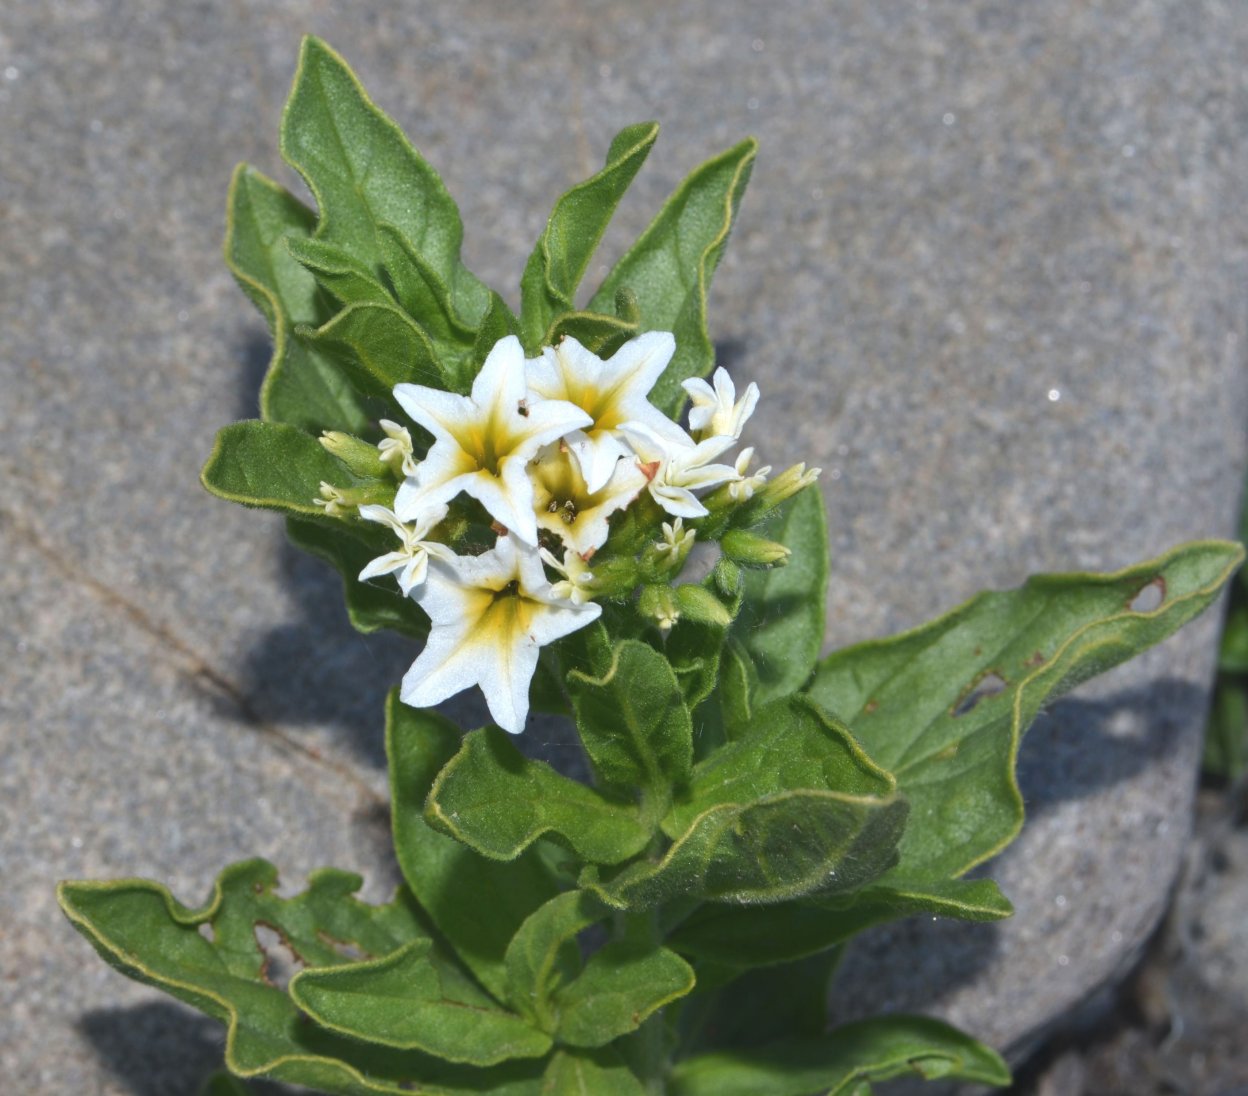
x=477, y=904
x=273, y=466
x=410, y=1001
x=763, y=935
x=544, y=955
x=781, y=620
x=301, y=386
x=364, y=173
x=623, y=983
x=944, y=706
x=793, y=808
x=371, y=605
x=377, y=347
x=852, y=1055
x=337, y=271
x=216, y=959
x=693, y=646
x=599, y=334
x=759, y=1006
x=576, y=224
x=222, y=1084
x=425, y=297
x=494, y=799
x=669, y=268
x=790, y=745
x=634, y=723
x=590, y=1073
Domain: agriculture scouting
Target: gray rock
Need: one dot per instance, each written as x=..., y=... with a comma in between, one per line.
x=988, y=275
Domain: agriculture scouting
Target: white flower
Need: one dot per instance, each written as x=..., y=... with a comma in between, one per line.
x=410, y=562
x=483, y=442
x=675, y=538
x=717, y=411
x=565, y=506
x=742, y=489
x=333, y=501
x=575, y=586
x=395, y=449
x=611, y=392
x=676, y=471
x=490, y=614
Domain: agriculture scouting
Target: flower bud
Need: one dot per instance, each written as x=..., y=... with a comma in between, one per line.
x=751, y=550
x=698, y=603
x=361, y=458
x=657, y=603
x=343, y=502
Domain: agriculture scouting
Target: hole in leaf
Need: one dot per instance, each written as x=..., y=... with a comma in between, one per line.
x=204, y=928
x=1149, y=597
x=281, y=961
x=344, y=947
x=988, y=683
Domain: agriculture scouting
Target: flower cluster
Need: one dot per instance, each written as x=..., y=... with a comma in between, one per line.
x=550, y=447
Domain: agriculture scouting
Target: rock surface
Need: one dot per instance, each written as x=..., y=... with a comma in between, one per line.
x=989, y=275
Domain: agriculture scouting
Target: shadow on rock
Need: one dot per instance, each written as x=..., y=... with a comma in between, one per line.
x=1078, y=747
x=160, y=1049
x=252, y=352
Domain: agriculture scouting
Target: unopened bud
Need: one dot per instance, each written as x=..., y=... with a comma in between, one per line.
x=698, y=603
x=788, y=483
x=361, y=458
x=657, y=603
x=752, y=550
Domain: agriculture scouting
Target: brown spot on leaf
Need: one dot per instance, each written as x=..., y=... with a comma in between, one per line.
x=870, y=706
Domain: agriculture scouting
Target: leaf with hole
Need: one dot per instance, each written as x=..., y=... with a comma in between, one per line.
x=918, y=703
x=669, y=268
x=499, y=802
x=223, y=959
x=843, y=1063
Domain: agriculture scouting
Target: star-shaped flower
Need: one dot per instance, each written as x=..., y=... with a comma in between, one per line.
x=395, y=449
x=717, y=411
x=566, y=507
x=742, y=489
x=490, y=614
x=611, y=392
x=483, y=442
x=676, y=471
x=411, y=562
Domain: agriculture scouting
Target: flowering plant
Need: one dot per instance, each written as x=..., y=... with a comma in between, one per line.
x=518, y=491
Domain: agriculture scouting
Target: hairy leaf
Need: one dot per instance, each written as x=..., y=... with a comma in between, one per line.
x=669, y=268
x=301, y=386
x=364, y=173
x=273, y=466
x=409, y=1001
x=634, y=723
x=944, y=706
x=215, y=959
x=781, y=620
x=576, y=224
x=377, y=347
x=842, y=1062
x=543, y=955
x=477, y=904
x=590, y=1073
x=493, y=798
